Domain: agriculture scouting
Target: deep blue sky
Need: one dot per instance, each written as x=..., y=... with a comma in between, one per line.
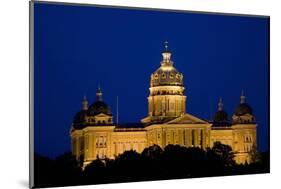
x=76, y=47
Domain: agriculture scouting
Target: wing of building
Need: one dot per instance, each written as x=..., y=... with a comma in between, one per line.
x=94, y=135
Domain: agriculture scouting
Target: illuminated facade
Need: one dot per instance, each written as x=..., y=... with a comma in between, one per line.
x=93, y=133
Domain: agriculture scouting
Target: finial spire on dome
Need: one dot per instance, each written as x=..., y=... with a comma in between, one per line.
x=99, y=86
x=85, y=103
x=166, y=55
x=166, y=46
x=220, y=105
x=99, y=93
x=242, y=97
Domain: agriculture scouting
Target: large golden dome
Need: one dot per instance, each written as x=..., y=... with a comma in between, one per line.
x=166, y=74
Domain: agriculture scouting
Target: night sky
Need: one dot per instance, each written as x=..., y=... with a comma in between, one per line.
x=78, y=47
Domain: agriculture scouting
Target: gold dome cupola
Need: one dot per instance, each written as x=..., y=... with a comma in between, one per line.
x=166, y=100
x=166, y=74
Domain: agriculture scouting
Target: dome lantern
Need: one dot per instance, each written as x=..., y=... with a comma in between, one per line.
x=242, y=97
x=220, y=105
x=99, y=94
x=85, y=103
x=166, y=55
x=220, y=117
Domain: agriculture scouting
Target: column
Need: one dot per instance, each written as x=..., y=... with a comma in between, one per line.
x=189, y=139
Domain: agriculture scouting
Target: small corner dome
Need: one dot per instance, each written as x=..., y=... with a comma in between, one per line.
x=220, y=116
x=243, y=109
x=99, y=107
x=79, y=119
x=80, y=116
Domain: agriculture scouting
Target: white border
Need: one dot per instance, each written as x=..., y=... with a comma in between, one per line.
x=14, y=83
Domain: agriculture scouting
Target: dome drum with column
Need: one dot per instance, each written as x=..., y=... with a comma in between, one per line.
x=166, y=90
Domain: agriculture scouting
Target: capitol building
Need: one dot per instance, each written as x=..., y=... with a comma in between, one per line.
x=94, y=134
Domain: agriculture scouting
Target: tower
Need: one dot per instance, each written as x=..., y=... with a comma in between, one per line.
x=166, y=99
x=244, y=131
x=99, y=112
x=220, y=117
x=243, y=113
x=99, y=94
x=85, y=103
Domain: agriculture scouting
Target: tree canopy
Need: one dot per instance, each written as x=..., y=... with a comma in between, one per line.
x=154, y=163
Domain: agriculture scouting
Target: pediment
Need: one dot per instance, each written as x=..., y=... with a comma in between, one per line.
x=102, y=115
x=187, y=119
x=146, y=119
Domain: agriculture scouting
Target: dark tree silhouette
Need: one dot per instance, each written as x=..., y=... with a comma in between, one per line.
x=225, y=153
x=255, y=156
x=43, y=169
x=154, y=163
x=64, y=170
x=67, y=170
x=94, y=173
x=152, y=152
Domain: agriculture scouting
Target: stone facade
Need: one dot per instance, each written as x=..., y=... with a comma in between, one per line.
x=93, y=133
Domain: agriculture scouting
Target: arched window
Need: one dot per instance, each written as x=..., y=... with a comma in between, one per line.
x=101, y=141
